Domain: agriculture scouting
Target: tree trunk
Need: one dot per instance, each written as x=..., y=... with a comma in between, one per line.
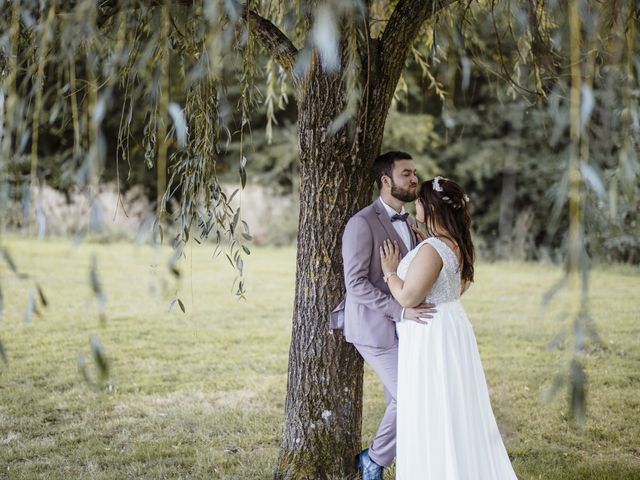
x=504, y=247
x=507, y=213
x=323, y=412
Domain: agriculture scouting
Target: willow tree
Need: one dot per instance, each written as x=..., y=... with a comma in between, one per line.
x=185, y=67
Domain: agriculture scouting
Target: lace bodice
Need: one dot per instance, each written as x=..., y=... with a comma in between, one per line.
x=447, y=285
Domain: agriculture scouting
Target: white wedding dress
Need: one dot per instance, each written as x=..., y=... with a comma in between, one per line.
x=445, y=426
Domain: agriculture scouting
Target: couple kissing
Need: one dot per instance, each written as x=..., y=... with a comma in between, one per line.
x=403, y=314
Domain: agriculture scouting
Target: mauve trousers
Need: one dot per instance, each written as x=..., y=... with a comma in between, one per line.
x=384, y=362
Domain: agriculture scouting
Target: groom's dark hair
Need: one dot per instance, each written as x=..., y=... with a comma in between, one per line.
x=383, y=165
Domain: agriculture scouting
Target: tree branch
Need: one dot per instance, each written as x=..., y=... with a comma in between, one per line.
x=399, y=34
x=405, y=23
x=266, y=33
x=273, y=40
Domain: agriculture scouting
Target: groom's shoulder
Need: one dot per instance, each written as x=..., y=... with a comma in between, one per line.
x=371, y=210
x=362, y=220
x=368, y=212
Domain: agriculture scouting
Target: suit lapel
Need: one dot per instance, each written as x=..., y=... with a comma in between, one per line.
x=383, y=216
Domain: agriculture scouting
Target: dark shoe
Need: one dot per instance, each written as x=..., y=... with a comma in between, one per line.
x=369, y=470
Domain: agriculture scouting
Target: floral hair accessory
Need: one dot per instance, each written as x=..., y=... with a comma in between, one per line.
x=436, y=184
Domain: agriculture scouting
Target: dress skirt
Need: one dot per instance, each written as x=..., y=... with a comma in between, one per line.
x=446, y=429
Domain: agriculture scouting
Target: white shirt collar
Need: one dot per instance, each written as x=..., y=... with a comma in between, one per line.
x=390, y=211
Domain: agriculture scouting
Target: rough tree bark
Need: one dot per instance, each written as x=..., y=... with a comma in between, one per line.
x=323, y=410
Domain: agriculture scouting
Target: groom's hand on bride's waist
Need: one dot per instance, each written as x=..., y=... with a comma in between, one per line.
x=420, y=314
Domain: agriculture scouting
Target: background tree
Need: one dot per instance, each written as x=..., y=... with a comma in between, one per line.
x=177, y=70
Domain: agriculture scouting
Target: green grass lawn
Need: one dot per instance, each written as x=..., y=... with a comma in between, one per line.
x=201, y=394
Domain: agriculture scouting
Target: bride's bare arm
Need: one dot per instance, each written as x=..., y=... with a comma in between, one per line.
x=421, y=276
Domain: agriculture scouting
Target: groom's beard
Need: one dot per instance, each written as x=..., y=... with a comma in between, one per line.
x=404, y=194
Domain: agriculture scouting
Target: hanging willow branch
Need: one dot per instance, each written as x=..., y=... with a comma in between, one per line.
x=43, y=56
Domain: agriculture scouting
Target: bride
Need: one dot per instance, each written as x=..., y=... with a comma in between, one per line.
x=445, y=426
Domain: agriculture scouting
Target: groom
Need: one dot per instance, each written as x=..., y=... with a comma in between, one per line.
x=369, y=312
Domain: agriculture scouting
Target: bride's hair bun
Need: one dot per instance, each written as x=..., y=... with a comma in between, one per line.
x=450, y=192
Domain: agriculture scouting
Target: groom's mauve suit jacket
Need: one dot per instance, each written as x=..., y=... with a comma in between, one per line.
x=368, y=312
